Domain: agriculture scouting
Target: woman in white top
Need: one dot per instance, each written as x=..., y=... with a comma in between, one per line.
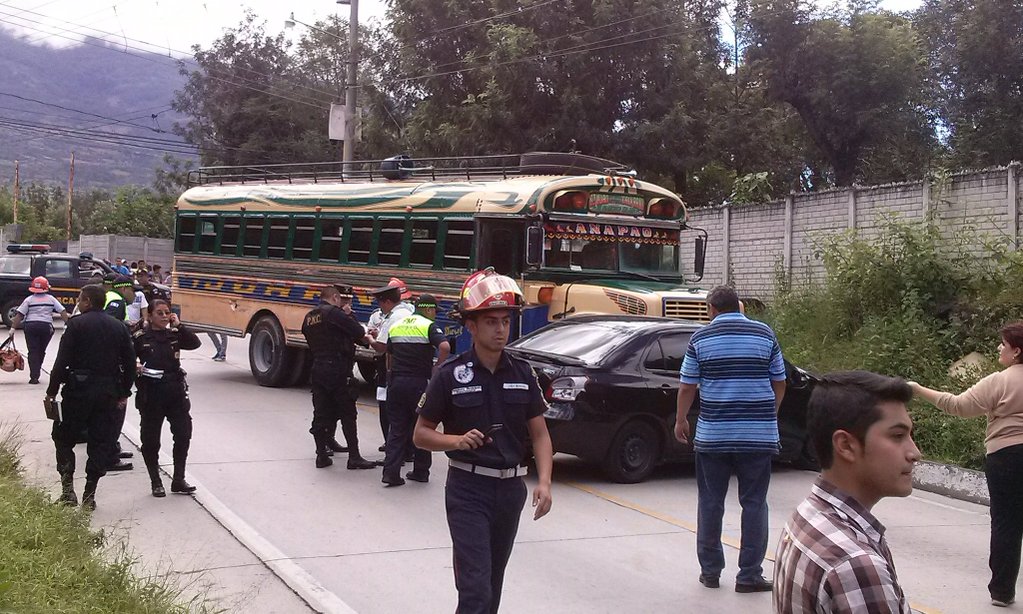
x=35, y=316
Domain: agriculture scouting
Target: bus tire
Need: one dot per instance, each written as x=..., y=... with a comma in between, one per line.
x=563, y=163
x=301, y=367
x=270, y=359
x=7, y=314
x=368, y=371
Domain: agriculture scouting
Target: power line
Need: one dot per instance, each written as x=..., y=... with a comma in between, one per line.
x=57, y=106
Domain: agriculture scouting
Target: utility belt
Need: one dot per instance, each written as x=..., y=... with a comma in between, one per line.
x=160, y=376
x=501, y=474
x=86, y=377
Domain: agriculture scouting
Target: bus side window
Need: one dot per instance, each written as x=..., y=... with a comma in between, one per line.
x=361, y=241
x=501, y=247
x=207, y=234
x=458, y=245
x=331, y=230
x=253, y=235
x=277, y=241
x=186, y=233
x=302, y=242
x=230, y=235
x=424, y=243
x=392, y=235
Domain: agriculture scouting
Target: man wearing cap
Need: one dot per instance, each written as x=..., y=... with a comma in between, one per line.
x=332, y=331
x=411, y=342
x=492, y=409
x=35, y=316
x=392, y=306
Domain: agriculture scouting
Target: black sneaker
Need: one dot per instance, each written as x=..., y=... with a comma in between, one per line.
x=710, y=581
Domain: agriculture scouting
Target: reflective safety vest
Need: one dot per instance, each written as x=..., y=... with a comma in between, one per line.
x=116, y=296
x=410, y=329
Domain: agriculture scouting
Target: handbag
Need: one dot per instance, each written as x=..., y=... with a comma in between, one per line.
x=11, y=359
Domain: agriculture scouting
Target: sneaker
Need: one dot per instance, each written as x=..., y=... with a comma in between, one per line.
x=220, y=358
x=1002, y=603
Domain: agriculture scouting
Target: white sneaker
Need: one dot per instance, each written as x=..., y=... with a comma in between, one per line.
x=998, y=603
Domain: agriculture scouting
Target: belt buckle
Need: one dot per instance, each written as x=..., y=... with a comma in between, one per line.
x=508, y=473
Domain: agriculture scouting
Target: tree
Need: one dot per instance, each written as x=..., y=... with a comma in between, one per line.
x=134, y=211
x=856, y=79
x=975, y=49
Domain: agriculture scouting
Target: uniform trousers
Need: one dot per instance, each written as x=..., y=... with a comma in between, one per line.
x=1004, y=470
x=92, y=410
x=403, y=394
x=333, y=400
x=158, y=401
x=483, y=517
x=37, y=337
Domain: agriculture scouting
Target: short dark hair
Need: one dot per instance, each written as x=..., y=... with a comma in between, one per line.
x=393, y=295
x=95, y=293
x=1012, y=333
x=724, y=299
x=328, y=292
x=848, y=401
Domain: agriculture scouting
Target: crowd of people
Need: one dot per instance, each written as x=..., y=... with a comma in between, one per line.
x=484, y=409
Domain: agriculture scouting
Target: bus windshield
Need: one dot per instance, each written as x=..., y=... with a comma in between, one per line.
x=612, y=256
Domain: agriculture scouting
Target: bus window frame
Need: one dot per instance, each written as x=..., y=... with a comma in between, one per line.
x=371, y=259
x=194, y=219
x=433, y=265
x=473, y=246
x=293, y=227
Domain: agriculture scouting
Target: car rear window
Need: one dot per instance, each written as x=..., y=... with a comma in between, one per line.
x=15, y=265
x=590, y=342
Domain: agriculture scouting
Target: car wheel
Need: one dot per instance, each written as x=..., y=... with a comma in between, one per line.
x=9, y=309
x=269, y=358
x=807, y=458
x=368, y=371
x=633, y=454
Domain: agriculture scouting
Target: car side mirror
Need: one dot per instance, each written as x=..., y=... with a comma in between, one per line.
x=699, y=256
x=534, y=246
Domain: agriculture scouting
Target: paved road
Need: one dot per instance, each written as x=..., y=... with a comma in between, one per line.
x=604, y=547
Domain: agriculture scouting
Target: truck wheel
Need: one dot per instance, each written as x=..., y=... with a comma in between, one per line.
x=368, y=371
x=633, y=454
x=270, y=360
x=9, y=309
x=301, y=367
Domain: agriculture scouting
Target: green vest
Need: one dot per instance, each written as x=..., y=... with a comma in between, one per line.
x=410, y=329
x=116, y=296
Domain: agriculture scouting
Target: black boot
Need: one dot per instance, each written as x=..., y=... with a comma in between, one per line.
x=323, y=452
x=178, y=483
x=332, y=443
x=156, y=484
x=180, y=486
x=89, y=494
x=67, y=490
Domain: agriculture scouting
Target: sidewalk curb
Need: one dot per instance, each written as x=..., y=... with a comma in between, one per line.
x=952, y=481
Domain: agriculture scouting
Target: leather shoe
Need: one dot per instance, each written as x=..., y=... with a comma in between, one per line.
x=322, y=460
x=158, y=490
x=759, y=585
x=334, y=446
x=126, y=455
x=360, y=463
x=418, y=477
x=182, y=487
x=710, y=581
x=121, y=466
x=392, y=481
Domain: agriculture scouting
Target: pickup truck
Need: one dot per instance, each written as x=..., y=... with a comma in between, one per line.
x=66, y=274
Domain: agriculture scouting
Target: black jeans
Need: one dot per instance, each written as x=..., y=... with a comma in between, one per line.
x=333, y=400
x=37, y=337
x=1004, y=470
x=483, y=517
x=159, y=401
x=403, y=394
x=95, y=412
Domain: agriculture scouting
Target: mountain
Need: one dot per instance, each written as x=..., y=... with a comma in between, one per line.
x=107, y=94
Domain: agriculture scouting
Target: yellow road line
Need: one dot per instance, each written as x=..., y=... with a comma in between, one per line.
x=688, y=526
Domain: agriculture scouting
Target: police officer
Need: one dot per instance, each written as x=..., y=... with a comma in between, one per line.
x=491, y=406
x=332, y=331
x=411, y=342
x=114, y=302
x=96, y=367
x=163, y=393
x=392, y=306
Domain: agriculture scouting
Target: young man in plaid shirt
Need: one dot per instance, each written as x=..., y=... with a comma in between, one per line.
x=832, y=556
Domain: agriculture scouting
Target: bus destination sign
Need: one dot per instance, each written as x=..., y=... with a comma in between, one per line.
x=625, y=204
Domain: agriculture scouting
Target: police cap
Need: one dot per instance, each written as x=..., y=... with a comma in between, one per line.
x=426, y=301
x=123, y=281
x=344, y=291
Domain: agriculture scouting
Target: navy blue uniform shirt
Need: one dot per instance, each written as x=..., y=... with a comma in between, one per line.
x=464, y=395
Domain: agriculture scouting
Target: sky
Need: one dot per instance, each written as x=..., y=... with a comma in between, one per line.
x=173, y=26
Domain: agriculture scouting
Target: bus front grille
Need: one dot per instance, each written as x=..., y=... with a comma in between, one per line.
x=686, y=309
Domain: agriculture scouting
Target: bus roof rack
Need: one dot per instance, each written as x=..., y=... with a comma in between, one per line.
x=404, y=167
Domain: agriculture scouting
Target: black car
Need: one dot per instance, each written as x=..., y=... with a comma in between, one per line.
x=612, y=384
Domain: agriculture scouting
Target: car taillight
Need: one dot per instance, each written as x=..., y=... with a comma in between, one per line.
x=567, y=388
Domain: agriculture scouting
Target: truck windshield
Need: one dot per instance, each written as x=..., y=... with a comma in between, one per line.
x=15, y=265
x=596, y=255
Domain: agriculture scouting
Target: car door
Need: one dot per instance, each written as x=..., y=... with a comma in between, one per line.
x=661, y=367
x=63, y=277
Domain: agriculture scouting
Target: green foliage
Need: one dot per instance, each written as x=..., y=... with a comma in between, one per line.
x=910, y=303
x=751, y=188
x=51, y=561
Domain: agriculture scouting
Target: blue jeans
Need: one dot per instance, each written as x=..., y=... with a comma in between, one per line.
x=713, y=471
x=220, y=343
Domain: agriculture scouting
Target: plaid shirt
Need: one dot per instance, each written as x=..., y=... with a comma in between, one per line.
x=832, y=557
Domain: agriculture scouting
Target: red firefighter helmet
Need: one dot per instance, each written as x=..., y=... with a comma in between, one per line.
x=39, y=285
x=487, y=289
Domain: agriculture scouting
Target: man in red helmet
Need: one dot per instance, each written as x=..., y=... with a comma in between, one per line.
x=491, y=406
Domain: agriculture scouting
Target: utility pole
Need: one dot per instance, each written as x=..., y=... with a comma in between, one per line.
x=70, y=193
x=347, y=154
x=17, y=189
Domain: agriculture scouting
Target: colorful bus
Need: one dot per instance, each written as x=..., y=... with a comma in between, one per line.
x=253, y=245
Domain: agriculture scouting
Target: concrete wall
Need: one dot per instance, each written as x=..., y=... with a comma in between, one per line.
x=752, y=245
x=153, y=251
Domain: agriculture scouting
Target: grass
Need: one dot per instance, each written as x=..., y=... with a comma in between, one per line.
x=51, y=561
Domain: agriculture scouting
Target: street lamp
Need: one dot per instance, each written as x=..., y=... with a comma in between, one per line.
x=353, y=68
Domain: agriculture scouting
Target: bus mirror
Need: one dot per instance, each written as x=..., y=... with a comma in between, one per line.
x=534, y=246
x=699, y=256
